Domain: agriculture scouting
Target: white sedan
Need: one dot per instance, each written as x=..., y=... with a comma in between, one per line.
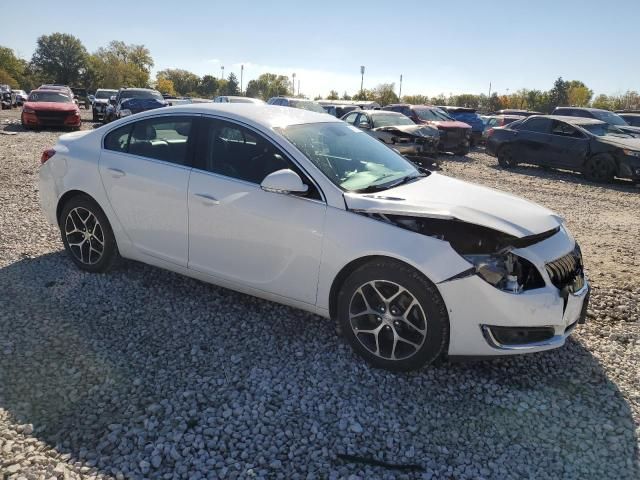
x=303, y=209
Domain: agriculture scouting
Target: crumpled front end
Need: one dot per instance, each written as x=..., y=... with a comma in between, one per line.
x=410, y=140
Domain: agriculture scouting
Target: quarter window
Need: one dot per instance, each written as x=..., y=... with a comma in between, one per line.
x=164, y=138
x=118, y=140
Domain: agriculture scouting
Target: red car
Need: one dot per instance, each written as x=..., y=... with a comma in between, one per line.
x=455, y=136
x=50, y=108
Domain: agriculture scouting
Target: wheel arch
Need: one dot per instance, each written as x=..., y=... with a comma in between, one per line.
x=352, y=266
x=62, y=201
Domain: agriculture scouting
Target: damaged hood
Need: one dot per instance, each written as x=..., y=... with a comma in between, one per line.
x=416, y=130
x=438, y=196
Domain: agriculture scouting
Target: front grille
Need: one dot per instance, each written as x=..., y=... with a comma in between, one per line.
x=567, y=272
x=52, y=117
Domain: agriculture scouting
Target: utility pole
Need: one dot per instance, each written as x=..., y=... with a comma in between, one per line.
x=241, y=73
x=293, y=84
x=361, y=79
x=489, y=89
x=400, y=93
x=222, y=72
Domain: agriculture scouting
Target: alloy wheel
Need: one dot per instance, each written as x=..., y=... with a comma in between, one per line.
x=598, y=169
x=84, y=236
x=387, y=320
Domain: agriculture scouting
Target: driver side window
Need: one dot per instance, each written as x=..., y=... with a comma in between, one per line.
x=239, y=153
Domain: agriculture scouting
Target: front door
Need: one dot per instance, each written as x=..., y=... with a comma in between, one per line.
x=243, y=234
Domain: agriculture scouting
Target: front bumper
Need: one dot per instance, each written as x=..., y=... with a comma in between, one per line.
x=485, y=306
x=35, y=120
x=629, y=168
x=478, y=310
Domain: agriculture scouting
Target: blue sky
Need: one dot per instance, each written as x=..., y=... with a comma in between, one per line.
x=439, y=47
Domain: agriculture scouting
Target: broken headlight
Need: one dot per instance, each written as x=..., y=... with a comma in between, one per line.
x=506, y=271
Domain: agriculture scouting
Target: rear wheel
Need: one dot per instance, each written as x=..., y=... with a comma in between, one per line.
x=462, y=151
x=600, y=168
x=87, y=235
x=393, y=316
x=506, y=158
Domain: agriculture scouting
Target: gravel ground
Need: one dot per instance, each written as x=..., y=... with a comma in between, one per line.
x=142, y=373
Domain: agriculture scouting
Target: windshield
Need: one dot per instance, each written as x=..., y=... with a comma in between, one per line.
x=432, y=115
x=610, y=118
x=350, y=158
x=105, y=93
x=306, y=105
x=49, y=97
x=389, y=119
x=141, y=94
x=602, y=129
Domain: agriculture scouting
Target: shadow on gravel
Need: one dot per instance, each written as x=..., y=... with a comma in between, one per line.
x=618, y=184
x=145, y=372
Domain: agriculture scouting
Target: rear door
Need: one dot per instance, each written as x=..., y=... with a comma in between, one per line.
x=569, y=146
x=533, y=140
x=145, y=168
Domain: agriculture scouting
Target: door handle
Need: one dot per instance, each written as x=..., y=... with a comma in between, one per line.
x=116, y=172
x=207, y=199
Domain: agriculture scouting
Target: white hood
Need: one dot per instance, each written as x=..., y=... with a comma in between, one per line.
x=438, y=196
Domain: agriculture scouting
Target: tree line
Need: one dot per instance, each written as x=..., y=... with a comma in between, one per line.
x=62, y=58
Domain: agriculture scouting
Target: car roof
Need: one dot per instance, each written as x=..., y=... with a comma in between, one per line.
x=586, y=109
x=265, y=115
x=571, y=120
x=382, y=112
x=47, y=89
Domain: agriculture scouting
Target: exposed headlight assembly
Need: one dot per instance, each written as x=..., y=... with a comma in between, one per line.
x=506, y=271
x=125, y=112
x=631, y=153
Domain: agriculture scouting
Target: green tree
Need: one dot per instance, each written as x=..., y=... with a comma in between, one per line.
x=119, y=65
x=602, y=101
x=60, y=58
x=333, y=95
x=183, y=80
x=268, y=85
x=208, y=87
x=346, y=96
x=232, y=87
x=384, y=94
x=363, y=95
x=559, y=94
x=13, y=69
x=416, y=99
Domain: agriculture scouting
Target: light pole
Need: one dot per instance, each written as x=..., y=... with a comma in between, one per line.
x=241, y=73
x=298, y=87
x=361, y=78
x=222, y=72
x=293, y=84
x=400, y=93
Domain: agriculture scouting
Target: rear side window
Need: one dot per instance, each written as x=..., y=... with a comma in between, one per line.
x=538, y=125
x=351, y=118
x=164, y=138
x=118, y=140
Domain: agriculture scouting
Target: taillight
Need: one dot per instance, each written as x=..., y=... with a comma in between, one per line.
x=490, y=132
x=46, y=155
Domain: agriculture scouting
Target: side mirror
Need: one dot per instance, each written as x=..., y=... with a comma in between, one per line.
x=284, y=181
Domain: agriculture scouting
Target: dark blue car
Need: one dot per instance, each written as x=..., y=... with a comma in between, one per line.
x=470, y=117
x=129, y=101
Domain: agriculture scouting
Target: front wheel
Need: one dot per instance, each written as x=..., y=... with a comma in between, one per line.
x=600, y=168
x=506, y=158
x=87, y=235
x=393, y=316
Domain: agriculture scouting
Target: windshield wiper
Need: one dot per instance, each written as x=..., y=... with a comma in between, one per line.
x=378, y=187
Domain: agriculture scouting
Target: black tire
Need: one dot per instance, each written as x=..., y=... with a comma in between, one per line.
x=461, y=152
x=383, y=273
x=505, y=157
x=69, y=221
x=94, y=118
x=600, y=168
